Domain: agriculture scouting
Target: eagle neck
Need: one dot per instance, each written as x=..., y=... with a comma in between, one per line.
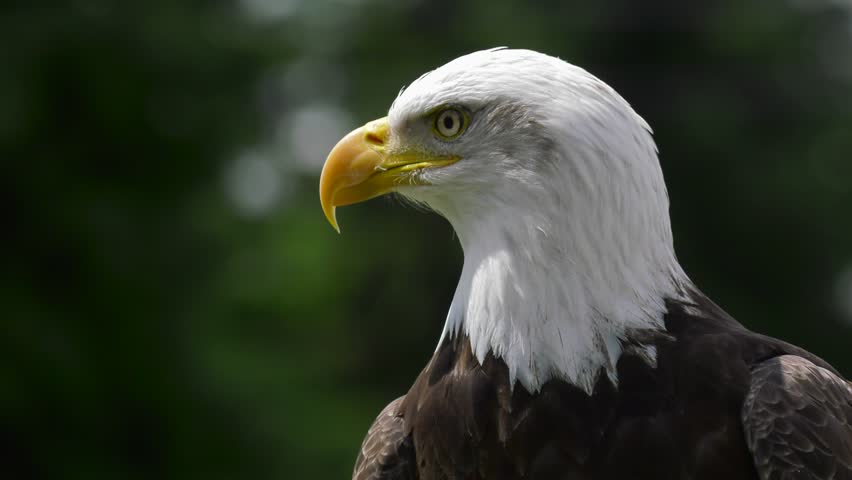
x=556, y=299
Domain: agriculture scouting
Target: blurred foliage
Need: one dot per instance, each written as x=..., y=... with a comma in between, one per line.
x=175, y=304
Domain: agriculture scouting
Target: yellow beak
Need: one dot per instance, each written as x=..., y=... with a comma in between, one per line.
x=362, y=166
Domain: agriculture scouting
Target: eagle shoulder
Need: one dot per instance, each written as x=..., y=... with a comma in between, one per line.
x=797, y=419
x=387, y=452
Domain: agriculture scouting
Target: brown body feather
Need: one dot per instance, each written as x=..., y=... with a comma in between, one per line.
x=721, y=402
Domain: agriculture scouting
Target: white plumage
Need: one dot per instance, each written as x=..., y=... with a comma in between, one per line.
x=564, y=223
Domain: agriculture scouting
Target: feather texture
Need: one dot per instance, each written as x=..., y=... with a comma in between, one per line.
x=387, y=452
x=798, y=421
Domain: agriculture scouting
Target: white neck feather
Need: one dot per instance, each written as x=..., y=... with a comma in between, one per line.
x=551, y=310
x=554, y=290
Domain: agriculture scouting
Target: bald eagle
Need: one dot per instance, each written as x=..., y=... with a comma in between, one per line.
x=575, y=347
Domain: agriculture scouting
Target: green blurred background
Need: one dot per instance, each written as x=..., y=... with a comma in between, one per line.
x=174, y=303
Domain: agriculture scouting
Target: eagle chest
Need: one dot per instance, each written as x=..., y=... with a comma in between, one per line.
x=468, y=424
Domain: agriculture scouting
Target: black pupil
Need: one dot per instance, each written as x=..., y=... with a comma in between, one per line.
x=449, y=121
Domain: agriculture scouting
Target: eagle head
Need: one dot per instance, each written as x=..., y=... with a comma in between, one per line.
x=552, y=183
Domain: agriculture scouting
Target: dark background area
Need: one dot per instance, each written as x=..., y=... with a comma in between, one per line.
x=174, y=304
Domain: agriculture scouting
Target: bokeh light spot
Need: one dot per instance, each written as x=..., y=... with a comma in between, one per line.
x=310, y=133
x=270, y=10
x=254, y=184
x=843, y=293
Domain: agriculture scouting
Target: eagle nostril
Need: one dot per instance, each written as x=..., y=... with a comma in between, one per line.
x=374, y=139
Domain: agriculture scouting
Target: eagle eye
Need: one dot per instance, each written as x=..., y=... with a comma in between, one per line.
x=450, y=123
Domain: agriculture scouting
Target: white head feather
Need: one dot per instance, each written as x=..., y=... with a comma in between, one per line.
x=561, y=209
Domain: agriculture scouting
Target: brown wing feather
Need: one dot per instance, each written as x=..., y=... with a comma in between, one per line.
x=387, y=452
x=797, y=419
